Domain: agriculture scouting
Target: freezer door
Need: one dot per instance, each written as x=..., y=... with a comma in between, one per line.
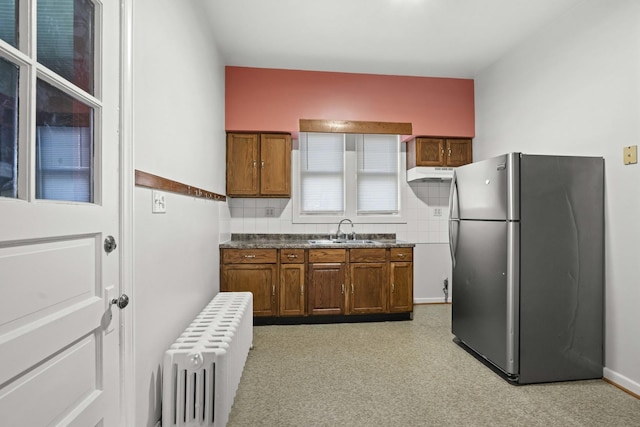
x=488, y=190
x=562, y=268
x=485, y=290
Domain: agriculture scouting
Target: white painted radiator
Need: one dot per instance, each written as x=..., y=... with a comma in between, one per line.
x=202, y=369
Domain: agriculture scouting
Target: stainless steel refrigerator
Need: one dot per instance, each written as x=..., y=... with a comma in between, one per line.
x=527, y=245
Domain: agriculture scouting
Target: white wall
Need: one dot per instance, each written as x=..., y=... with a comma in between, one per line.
x=574, y=88
x=178, y=134
x=423, y=227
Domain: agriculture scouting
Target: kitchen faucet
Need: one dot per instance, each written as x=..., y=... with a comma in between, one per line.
x=340, y=233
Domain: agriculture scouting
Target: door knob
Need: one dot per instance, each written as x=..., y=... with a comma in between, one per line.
x=121, y=302
x=110, y=244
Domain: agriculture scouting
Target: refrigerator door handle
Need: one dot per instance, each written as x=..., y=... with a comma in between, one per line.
x=453, y=195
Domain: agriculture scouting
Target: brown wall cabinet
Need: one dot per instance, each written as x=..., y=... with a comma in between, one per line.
x=438, y=151
x=258, y=165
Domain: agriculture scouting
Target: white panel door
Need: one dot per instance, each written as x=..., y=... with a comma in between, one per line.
x=59, y=335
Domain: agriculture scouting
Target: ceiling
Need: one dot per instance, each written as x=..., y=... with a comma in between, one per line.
x=437, y=38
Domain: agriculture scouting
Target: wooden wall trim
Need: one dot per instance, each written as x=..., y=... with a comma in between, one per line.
x=353, y=126
x=144, y=179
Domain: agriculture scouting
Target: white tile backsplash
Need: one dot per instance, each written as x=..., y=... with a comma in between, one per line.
x=422, y=226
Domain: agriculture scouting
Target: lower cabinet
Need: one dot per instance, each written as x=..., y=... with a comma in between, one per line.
x=369, y=278
x=321, y=282
x=292, y=283
x=255, y=271
x=327, y=280
x=401, y=280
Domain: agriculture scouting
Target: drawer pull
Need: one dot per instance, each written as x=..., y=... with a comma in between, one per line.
x=292, y=256
x=343, y=289
x=249, y=256
x=352, y=289
x=401, y=255
x=273, y=290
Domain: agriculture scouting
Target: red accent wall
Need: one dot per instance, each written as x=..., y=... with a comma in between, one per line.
x=265, y=99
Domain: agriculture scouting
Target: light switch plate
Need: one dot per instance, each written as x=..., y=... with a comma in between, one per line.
x=159, y=202
x=631, y=155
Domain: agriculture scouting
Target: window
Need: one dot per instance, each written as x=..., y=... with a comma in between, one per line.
x=64, y=148
x=347, y=175
x=8, y=22
x=377, y=174
x=322, y=173
x=61, y=133
x=9, y=74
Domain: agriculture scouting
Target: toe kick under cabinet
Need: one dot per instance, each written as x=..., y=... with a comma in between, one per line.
x=303, y=285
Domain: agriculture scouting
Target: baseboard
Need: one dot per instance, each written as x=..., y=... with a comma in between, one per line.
x=419, y=301
x=622, y=382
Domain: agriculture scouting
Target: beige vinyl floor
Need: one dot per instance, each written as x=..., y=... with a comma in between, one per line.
x=405, y=373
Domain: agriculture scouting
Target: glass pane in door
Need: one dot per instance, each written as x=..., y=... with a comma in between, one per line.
x=66, y=39
x=64, y=146
x=9, y=75
x=9, y=21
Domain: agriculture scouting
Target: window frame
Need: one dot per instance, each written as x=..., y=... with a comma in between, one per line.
x=350, y=190
x=30, y=71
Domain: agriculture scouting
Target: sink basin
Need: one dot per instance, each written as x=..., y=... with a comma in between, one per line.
x=343, y=242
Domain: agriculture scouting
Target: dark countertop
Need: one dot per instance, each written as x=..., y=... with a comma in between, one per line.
x=301, y=241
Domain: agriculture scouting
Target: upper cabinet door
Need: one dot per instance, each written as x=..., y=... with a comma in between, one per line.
x=429, y=151
x=275, y=165
x=242, y=164
x=458, y=152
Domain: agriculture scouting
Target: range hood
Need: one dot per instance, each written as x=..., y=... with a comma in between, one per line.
x=424, y=173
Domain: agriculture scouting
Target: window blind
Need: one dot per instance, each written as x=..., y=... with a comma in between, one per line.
x=377, y=174
x=322, y=173
x=64, y=163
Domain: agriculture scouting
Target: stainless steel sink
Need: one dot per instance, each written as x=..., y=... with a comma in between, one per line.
x=342, y=242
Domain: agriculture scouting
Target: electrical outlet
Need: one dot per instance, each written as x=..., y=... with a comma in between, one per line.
x=269, y=211
x=159, y=202
x=437, y=211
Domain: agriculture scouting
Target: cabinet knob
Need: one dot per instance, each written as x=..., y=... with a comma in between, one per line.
x=262, y=164
x=255, y=164
x=273, y=290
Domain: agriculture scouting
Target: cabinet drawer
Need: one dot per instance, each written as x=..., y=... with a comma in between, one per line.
x=327, y=255
x=249, y=256
x=292, y=256
x=368, y=255
x=401, y=254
